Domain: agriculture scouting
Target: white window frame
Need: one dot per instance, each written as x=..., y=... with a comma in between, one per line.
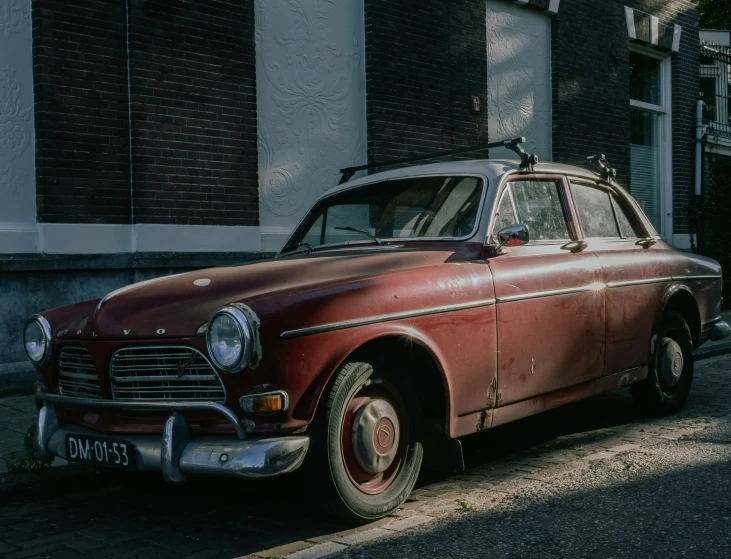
x=665, y=147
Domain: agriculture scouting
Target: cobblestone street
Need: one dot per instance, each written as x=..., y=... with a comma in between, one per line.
x=595, y=445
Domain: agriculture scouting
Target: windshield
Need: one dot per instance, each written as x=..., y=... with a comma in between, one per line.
x=413, y=208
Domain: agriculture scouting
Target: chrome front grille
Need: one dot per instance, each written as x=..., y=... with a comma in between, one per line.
x=76, y=374
x=164, y=373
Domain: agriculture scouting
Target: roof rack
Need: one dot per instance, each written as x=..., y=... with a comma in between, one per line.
x=527, y=161
x=600, y=161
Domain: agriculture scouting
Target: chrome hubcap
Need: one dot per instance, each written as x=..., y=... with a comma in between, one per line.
x=375, y=436
x=671, y=361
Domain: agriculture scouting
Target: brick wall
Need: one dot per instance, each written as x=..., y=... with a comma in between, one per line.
x=193, y=111
x=80, y=88
x=193, y=90
x=591, y=101
x=424, y=61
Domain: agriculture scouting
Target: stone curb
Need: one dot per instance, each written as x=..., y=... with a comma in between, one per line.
x=719, y=348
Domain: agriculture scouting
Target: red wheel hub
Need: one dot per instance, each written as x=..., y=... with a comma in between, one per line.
x=374, y=437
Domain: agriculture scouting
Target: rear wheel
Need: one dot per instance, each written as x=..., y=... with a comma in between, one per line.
x=366, y=451
x=670, y=374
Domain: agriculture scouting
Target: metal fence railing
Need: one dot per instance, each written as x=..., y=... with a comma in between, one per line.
x=715, y=86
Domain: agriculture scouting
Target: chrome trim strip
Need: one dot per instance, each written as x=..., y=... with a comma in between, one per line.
x=550, y=293
x=112, y=377
x=485, y=302
x=677, y=278
x=383, y=318
x=638, y=282
x=658, y=280
x=171, y=405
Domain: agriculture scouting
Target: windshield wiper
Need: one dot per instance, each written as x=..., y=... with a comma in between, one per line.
x=307, y=247
x=366, y=233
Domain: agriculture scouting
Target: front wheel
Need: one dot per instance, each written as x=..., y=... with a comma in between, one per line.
x=366, y=451
x=670, y=374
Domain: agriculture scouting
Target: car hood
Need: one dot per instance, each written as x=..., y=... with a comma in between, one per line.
x=177, y=306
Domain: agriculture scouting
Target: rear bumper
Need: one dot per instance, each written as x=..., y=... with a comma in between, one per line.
x=177, y=455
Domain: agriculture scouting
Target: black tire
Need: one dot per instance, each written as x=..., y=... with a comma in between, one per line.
x=327, y=461
x=656, y=395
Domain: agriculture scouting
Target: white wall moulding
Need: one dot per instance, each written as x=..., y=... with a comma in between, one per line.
x=18, y=238
x=197, y=238
x=273, y=238
x=683, y=241
x=17, y=141
x=310, y=80
x=72, y=238
x=629, y=15
x=647, y=29
x=519, y=77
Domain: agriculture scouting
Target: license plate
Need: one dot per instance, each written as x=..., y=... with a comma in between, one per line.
x=100, y=451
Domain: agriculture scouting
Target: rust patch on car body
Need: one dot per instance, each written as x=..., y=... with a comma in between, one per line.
x=484, y=421
x=494, y=399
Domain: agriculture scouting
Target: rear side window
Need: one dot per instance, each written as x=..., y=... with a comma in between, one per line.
x=626, y=228
x=595, y=211
x=537, y=204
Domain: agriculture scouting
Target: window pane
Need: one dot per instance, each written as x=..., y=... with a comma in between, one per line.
x=626, y=227
x=645, y=163
x=595, y=211
x=539, y=207
x=644, y=79
x=505, y=216
x=442, y=207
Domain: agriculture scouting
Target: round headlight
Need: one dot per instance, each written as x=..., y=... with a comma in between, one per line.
x=37, y=340
x=230, y=339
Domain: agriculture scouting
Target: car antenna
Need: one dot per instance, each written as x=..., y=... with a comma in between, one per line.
x=599, y=160
x=527, y=161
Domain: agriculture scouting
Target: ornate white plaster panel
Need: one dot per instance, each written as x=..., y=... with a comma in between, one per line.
x=519, y=77
x=17, y=155
x=311, y=102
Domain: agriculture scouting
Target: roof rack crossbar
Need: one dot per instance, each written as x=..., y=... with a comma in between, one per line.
x=599, y=160
x=526, y=160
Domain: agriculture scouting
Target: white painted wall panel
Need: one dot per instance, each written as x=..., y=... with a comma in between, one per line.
x=519, y=77
x=17, y=142
x=311, y=104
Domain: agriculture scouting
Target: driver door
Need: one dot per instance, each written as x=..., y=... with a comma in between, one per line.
x=550, y=301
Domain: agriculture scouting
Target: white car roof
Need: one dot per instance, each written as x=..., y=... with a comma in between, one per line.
x=493, y=169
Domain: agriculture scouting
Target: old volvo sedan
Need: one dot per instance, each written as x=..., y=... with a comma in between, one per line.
x=408, y=309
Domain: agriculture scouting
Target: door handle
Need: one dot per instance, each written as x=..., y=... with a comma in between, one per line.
x=575, y=246
x=647, y=242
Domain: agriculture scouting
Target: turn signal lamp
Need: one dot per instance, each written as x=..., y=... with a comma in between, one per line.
x=268, y=402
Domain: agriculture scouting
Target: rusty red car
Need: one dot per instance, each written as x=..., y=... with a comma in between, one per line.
x=408, y=309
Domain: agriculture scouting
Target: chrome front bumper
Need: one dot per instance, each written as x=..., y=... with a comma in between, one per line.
x=177, y=455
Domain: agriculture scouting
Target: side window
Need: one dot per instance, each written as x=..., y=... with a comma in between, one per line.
x=505, y=216
x=595, y=211
x=538, y=205
x=626, y=227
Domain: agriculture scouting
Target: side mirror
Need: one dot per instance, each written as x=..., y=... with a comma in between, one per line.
x=518, y=233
